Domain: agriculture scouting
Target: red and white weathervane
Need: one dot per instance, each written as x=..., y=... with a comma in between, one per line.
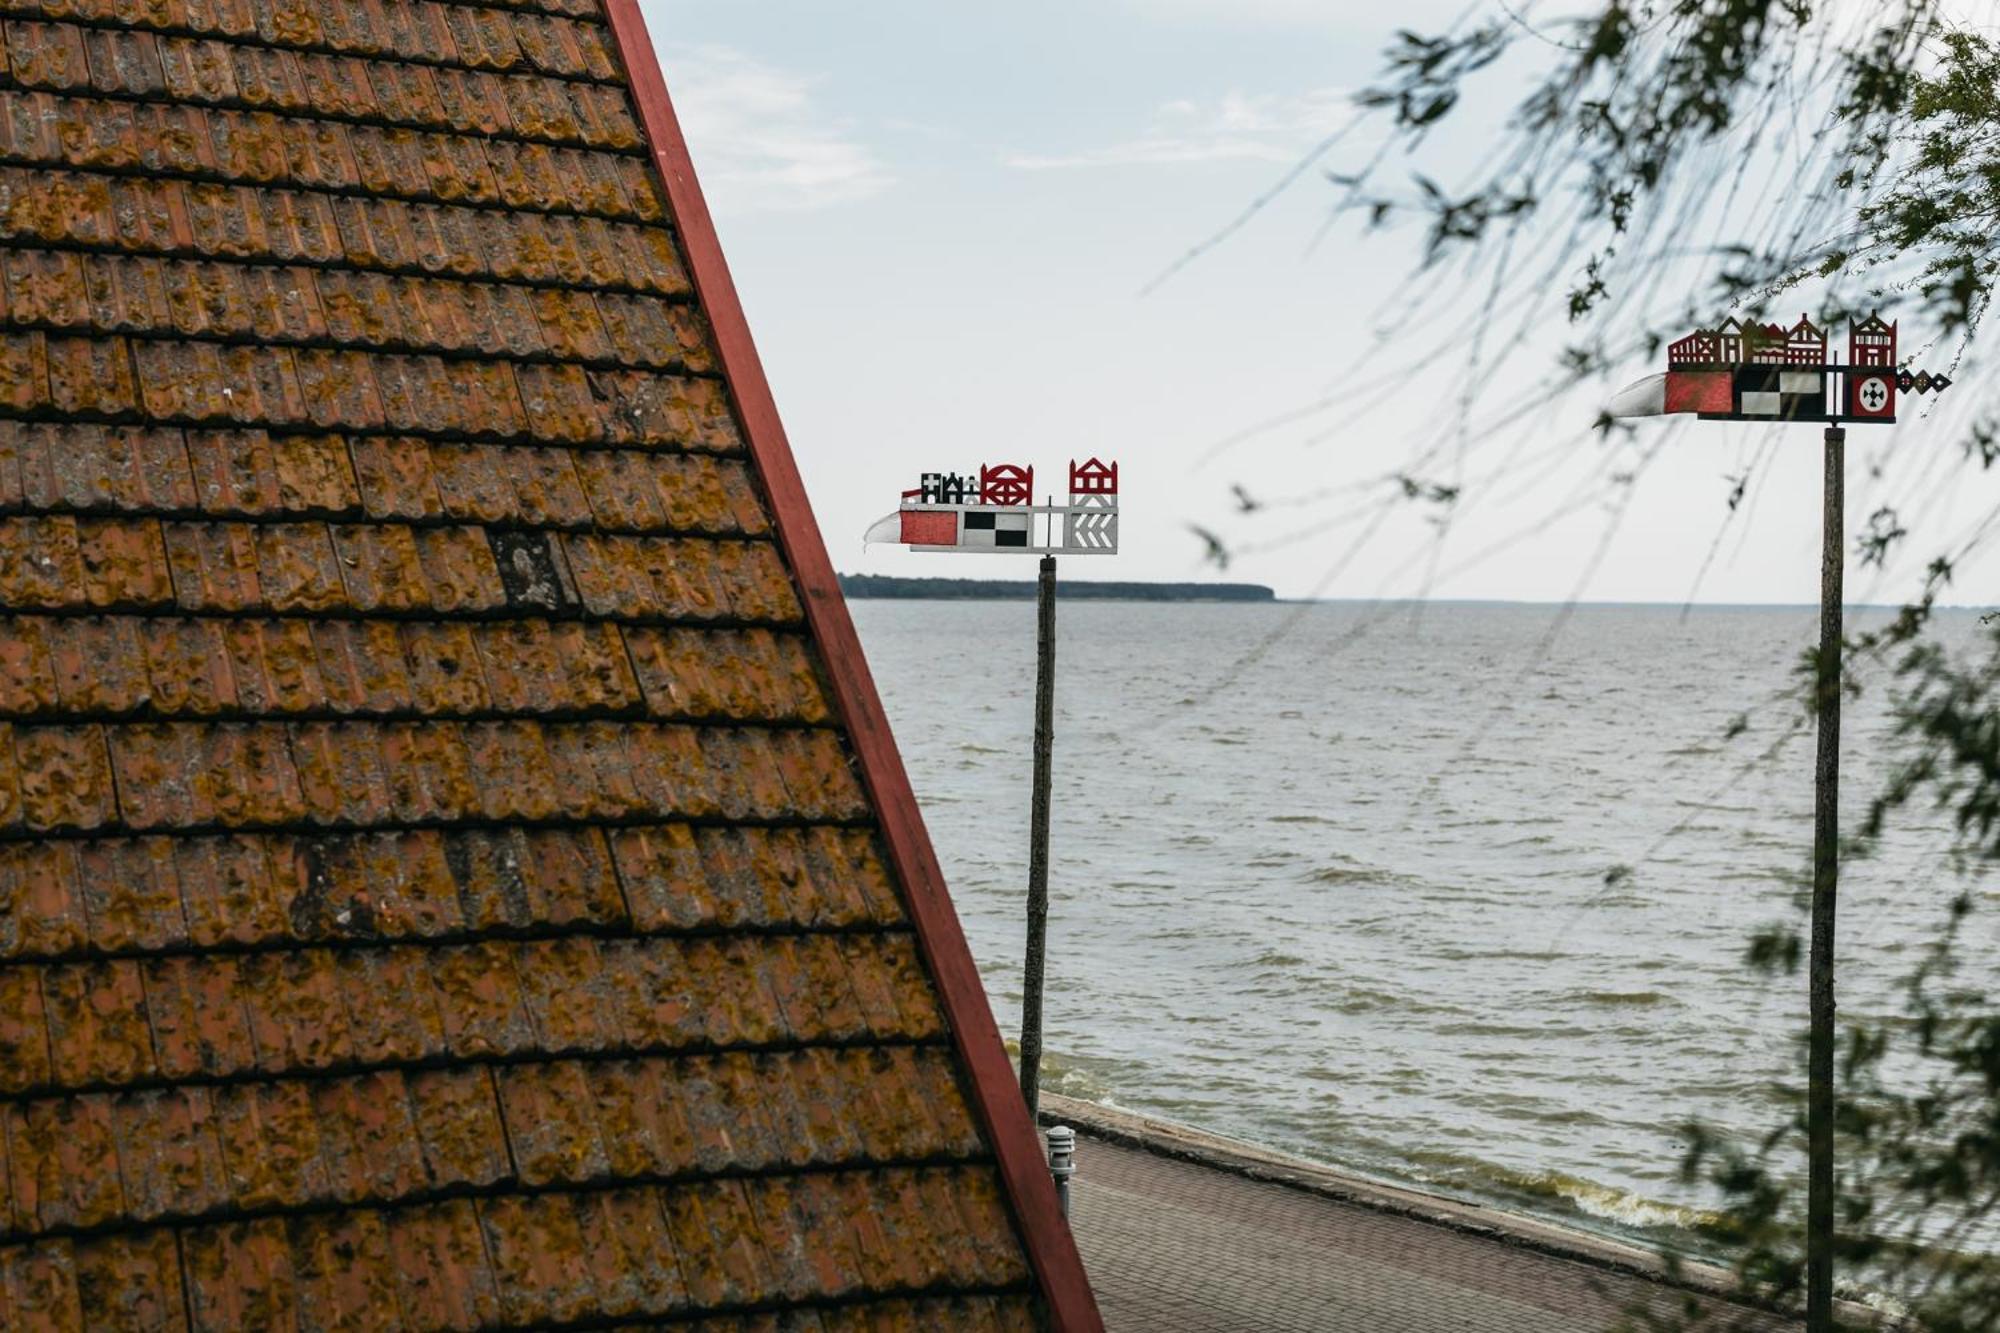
x=1763, y=372
x=993, y=510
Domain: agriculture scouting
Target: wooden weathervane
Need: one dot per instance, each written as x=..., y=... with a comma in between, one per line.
x=993, y=512
x=1764, y=372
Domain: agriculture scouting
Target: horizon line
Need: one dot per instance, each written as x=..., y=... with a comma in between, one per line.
x=1624, y=602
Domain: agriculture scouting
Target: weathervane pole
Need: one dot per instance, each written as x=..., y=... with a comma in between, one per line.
x=1038, y=838
x=1826, y=884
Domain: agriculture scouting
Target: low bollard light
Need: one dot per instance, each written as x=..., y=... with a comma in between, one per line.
x=1062, y=1161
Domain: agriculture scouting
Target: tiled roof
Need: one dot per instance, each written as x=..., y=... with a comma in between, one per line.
x=453, y=872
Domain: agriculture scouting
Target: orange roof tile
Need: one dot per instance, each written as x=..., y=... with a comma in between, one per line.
x=453, y=871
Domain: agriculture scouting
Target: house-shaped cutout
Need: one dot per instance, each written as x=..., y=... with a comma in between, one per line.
x=454, y=870
x=1093, y=477
x=1872, y=342
x=1805, y=343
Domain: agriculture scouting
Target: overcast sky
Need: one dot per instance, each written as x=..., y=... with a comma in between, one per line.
x=942, y=216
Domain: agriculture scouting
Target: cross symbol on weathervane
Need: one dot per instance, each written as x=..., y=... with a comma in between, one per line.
x=1872, y=394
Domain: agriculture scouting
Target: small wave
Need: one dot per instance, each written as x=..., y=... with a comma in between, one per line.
x=1489, y=1030
x=1512, y=955
x=1606, y=1203
x=1087, y=1078
x=1613, y=902
x=1361, y=1000
x=1340, y=875
x=1614, y=997
x=1772, y=876
x=1347, y=870
x=1615, y=1205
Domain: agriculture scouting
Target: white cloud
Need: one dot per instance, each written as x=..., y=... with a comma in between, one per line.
x=1306, y=12
x=1317, y=15
x=759, y=141
x=1269, y=128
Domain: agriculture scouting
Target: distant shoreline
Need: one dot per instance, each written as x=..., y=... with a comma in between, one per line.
x=892, y=588
x=1982, y=608
x=1010, y=590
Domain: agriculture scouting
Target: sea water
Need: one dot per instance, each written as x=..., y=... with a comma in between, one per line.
x=1456, y=894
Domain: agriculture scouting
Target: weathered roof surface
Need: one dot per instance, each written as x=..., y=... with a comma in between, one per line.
x=450, y=877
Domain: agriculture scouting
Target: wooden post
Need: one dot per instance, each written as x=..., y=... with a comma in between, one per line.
x=1038, y=839
x=1826, y=883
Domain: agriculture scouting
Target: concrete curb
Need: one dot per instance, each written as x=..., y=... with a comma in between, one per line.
x=1168, y=1139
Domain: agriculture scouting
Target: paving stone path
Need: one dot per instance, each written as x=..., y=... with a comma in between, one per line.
x=1174, y=1247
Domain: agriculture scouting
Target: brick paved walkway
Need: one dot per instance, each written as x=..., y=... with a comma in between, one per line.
x=1174, y=1247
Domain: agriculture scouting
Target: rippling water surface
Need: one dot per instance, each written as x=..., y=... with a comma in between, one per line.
x=1360, y=898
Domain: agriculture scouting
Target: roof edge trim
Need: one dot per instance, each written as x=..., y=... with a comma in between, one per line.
x=1045, y=1233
